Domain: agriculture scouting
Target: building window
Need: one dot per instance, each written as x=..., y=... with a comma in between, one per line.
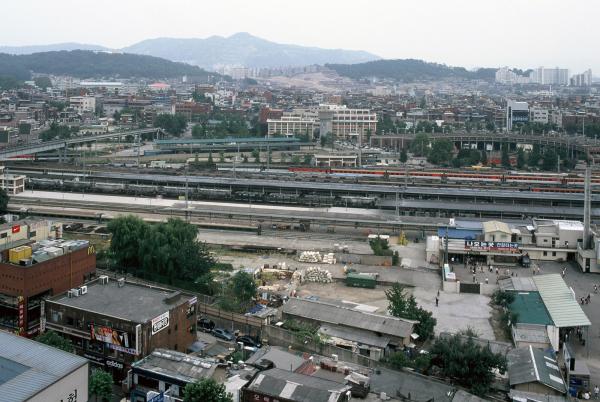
x=554, y=254
x=3, y=235
x=33, y=233
x=545, y=253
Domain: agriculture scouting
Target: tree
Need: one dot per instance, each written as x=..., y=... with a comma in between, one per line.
x=469, y=363
x=550, y=159
x=172, y=124
x=55, y=340
x=3, y=201
x=295, y=159
x=403, y=156
x=420, y=145
x=441, y=152
x=210, y=159
x=520, y=158
x=101, y=384
x=307, y=159
x=405, y=306
x=238, y=293
x=206, y=390
x=43, y=82
x=221, y=156
x=505, y=160
x=256, y=155
x=534, y=157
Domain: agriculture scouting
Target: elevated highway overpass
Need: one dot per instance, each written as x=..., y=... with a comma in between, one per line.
x=32, y=149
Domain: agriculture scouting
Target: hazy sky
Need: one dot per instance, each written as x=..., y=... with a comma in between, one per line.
x=520, y=33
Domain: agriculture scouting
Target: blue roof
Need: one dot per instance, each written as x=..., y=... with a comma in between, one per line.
x=454, y=233
x=28, y=367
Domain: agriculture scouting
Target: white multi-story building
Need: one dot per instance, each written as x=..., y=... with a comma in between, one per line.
x=505, y=76
x=345, y=123
x=550, y=76
x=538, y=115
x=582, y=80
x=83, y=104
x=290, y=125
x=340, y=121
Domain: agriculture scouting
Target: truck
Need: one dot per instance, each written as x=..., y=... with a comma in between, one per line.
x=358, y=280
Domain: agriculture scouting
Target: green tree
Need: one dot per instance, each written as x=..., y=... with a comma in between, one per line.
x=405, y=306
x=467, y=362
x=238, y=293
x=520, y=158
x=550, y=159
x=206, y=390
x=3, y=201
x=533, y=159
x=55, y=340
x=256, y=155
x=221, y=156
x=420, y=145
x=441, y=152
x=127, y=236
x=307, y=159
x=101, y=384
x=210, y=159
x=295, y=159
x=43, y=82
x=403, y=156
x=505, y=160
x=199, y=131
x=172, y=124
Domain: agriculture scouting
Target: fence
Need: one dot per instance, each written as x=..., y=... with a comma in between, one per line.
x=281, y=337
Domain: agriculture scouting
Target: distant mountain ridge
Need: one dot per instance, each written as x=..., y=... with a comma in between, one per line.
x=89, y=64
x=241, y=49
x=21, y=50
x=409, y=70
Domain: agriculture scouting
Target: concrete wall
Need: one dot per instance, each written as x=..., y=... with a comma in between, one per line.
x=76, y=382
x=536, y=387
x=451, y=287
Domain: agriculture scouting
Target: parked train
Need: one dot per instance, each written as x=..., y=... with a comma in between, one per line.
x=556, y=179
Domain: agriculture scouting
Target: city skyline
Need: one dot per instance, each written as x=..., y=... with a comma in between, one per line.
x=458, y=33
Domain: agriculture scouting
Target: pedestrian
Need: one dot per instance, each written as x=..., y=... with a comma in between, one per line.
x=497, y=272
x=596, y=392
x=595, y=288
x=437, y=300
x=438, y=293
x=538, y=270
x=473, y=278
x=486, y=280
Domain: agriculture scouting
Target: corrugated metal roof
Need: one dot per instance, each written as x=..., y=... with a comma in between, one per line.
x=297, y=387
x=560, y=302
x=528, y=365
x=41, y=365
x=495, y=226
x=332, y=314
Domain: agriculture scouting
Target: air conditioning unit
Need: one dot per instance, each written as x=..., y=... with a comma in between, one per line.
x=121, y=282
x=69, y=294
x=103, y=280
x=83, y=290
x=75, y=292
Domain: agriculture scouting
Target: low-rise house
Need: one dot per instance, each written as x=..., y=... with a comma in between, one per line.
x=533, y=370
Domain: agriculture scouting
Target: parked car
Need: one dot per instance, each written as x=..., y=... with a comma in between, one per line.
x=205, y=325
x=247, y=340
x=223, y=334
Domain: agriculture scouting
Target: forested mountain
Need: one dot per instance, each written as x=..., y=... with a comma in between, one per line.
x=409, y=70
x=88, y=64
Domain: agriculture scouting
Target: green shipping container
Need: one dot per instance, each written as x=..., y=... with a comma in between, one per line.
x=360, y=281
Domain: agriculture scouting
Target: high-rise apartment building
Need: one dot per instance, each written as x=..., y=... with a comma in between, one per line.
x=550, y=76
x=582, y=80
x=516, y=112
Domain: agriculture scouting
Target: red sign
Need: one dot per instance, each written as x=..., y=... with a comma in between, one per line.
x=16, y=228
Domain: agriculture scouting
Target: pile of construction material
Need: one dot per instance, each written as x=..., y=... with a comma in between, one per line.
x=329, y=258
x=317, y=275
x=310, y=256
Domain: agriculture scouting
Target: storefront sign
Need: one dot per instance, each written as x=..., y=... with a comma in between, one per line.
x=491, y=246
x=118, y=348
x=94, y=358
x=16, y=228
x=72, y=397
x=21, y=309
x=159, y=323
x=115, y=364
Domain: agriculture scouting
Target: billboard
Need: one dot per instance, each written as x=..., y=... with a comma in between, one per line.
x=491, y=246
x=159, y=323
x=109, y=335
